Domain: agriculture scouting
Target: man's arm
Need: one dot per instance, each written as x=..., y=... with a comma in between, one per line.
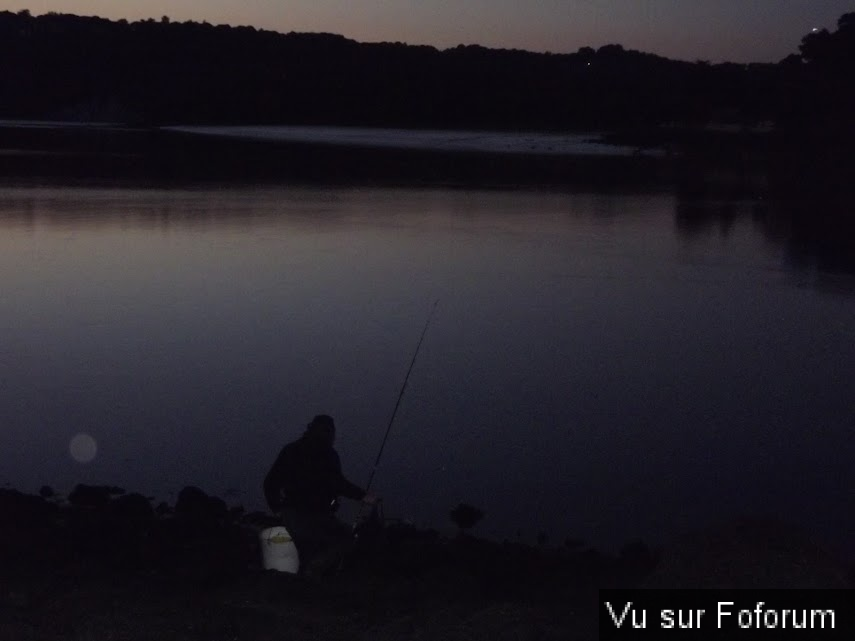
x=344, y=487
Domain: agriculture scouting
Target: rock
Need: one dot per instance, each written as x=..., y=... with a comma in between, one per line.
x=93, y=496
x=194, y=504
x=466, y=516
x=23, y=510
x=134, y=508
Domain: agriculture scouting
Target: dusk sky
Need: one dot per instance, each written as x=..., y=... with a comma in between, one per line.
x=716, y=30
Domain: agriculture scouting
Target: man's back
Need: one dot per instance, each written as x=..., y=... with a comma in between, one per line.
x=306, y=476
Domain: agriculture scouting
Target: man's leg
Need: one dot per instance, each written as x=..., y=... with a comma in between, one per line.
x=334, y=540
x=303, y=529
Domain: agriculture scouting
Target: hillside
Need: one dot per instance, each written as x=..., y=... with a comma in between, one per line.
x=67, y=67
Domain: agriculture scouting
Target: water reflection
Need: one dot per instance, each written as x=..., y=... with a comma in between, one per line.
x=158, y=208
x=700, y=218
x=818, y=234
x=815, y=234
x=817, y=231
x=189, y=332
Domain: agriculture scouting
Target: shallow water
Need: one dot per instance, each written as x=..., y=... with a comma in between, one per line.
x=597, y=367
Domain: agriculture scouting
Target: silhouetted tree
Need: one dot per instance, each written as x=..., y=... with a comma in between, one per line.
x=160, y=71
x=837, y=49
x=827, y=90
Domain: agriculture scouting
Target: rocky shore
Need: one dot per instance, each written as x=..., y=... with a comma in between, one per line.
x=108, y=565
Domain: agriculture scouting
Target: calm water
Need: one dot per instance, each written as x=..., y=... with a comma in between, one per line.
x=597, y=366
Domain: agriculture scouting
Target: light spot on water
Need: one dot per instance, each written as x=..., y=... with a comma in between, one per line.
x=83, y=448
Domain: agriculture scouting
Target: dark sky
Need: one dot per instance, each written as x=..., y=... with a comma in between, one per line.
x=716, y=30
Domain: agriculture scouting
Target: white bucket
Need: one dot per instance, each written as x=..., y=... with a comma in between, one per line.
x=278, y=551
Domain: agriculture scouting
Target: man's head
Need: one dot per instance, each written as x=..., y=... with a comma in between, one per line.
x=322, y=427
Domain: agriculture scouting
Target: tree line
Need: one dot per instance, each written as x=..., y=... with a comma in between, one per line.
x=61, y=66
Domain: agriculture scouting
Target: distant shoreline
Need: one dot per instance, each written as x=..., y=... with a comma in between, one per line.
x=756, y=162
x=107, y=151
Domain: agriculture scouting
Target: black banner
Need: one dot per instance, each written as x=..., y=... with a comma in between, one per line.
x=727, y=614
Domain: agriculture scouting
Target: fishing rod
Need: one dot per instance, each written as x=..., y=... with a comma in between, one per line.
x=400, y=396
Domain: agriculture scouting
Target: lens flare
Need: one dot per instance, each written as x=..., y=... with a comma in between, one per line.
x=83, y=448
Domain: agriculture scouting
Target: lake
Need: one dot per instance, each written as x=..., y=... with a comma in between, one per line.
x=601, y=366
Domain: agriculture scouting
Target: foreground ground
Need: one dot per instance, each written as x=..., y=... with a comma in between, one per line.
x=106, y=565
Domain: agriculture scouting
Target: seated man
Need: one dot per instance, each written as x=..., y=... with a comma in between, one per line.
x=303, y=486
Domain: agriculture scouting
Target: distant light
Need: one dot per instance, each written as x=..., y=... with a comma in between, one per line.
x=589, y=64
x=83, y=448
x=814, y=30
